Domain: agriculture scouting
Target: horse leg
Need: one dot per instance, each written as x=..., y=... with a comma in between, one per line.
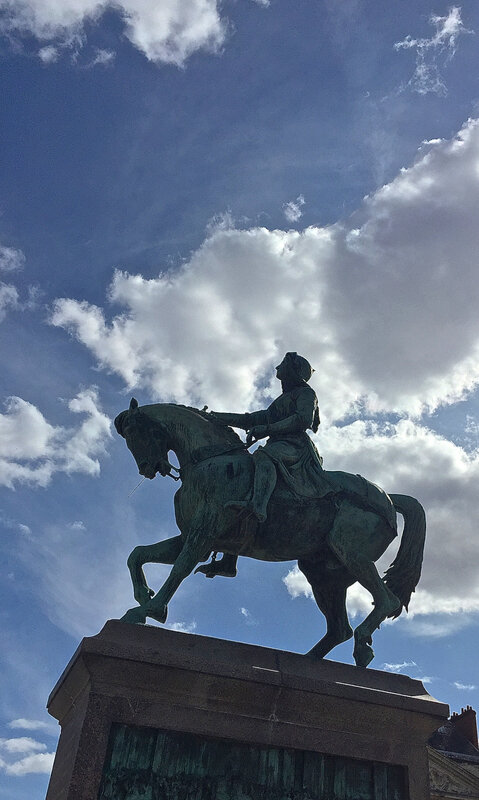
x=329, y=590
x=165, y=552
x=157, y=607
x=358, y=538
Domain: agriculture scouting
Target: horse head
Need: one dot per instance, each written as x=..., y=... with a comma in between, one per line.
x=146, y=439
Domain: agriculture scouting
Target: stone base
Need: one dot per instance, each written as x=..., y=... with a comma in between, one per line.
x=236, y=696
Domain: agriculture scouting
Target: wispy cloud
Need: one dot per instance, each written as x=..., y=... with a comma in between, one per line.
x=434, y=52
x=31, y=724
x=11, y=259
x=469, y=687
x=292, y=210
x=77, y=525
x=182, y=627
x=398, y=667
x=249, y=619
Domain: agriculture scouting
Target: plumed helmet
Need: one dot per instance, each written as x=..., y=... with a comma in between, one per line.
x=302, y=367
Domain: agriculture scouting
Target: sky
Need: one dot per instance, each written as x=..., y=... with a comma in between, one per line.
x=189, y=189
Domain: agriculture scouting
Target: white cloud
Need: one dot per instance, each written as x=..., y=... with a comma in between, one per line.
x=182, y=627
x=384, y=306
x=249, y=619
x=23, y=744
x=37, y=763
x=32, y=449
x=433, y=52
x=292, y=210
x=101, y=58
x=398, y=667
x=30, y=724
x=34, y=758
x=464, y=686
x=8, y=298
x=167, y=32
x=423, y=678
x=49, y=54
x=11, y=259
x=77, y=525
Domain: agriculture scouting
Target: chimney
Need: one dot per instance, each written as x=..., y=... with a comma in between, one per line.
x=466, y=724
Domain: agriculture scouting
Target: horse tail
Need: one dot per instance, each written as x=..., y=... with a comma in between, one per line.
x=403, y=575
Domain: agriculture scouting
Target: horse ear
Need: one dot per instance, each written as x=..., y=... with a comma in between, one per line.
x=133, y=404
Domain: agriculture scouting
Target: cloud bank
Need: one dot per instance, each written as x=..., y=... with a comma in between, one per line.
x=384, y=305
x=167, y=32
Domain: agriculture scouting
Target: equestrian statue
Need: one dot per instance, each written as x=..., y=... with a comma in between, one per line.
x=275, y=504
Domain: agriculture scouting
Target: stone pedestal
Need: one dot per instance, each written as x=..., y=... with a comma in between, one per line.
x=157, y=708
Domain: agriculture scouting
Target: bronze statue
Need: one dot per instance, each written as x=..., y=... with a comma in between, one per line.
x=275, y=505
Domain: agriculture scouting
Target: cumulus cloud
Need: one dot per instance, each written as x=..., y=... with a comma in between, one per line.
x=167, y=32
x=32, y=449
x=38, y=763
x=434, y=52
x=34, y=759
x=30, y=724
x=384, y=305
x=385, y=308
x=409, y=458
x=292, y=210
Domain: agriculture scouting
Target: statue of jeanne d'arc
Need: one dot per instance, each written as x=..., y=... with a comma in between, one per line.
x=276, y=505
x=288, y=450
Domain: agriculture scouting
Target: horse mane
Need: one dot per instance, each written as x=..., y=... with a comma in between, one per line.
x=226, y=434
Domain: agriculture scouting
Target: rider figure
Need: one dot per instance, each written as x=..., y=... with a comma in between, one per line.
x=285, y=422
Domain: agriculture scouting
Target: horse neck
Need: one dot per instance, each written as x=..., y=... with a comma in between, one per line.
x=188, y=431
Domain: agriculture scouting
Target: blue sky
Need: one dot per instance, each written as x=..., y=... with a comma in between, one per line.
x=188, y=190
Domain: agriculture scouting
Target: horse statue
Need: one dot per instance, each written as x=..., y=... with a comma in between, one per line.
x=336, y=538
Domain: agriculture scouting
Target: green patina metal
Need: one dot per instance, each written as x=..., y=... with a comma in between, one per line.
x=150, y=764
x=277, y=504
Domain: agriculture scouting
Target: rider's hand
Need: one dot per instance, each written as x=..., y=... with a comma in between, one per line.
x=256, y=433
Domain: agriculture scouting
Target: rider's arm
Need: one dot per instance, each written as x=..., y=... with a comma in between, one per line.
x=244, y=421
x=306, y=406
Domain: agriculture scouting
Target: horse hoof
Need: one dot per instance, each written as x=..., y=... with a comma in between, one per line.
x=363, y=654
x=159, y=614
x=134, y=616
x=144, y=595
x=316, y=653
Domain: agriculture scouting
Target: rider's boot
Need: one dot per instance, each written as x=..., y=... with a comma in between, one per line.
x=264, y=483
x=226, y=567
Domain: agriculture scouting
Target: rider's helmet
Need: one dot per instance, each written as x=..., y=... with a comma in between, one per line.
x=302, y=367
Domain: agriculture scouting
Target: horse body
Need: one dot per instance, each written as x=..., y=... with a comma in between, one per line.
x=336, y=539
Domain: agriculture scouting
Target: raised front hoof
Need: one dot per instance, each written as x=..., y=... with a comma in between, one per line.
x=144, y=595
x=135, y=616
x=363, y=654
